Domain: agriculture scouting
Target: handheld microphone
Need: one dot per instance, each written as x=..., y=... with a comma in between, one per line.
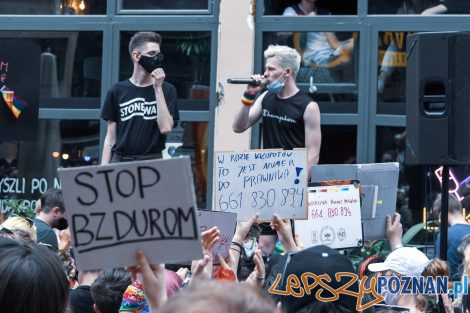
x=242, y=81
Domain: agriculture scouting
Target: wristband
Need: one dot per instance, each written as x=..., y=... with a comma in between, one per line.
x=248, y=98
x=238, y=245
x=259, y=277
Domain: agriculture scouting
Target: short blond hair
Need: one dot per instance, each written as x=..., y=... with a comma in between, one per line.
x=286, y=56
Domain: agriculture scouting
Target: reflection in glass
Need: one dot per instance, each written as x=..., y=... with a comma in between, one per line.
x=336, y=7
x=28, y=169
x=338, y=144
x=186, y=65
x=48, y=7
x=165, y=5
x=390, y=147
x=190, y=138
x=70, y=67
x=425, y=7
x=391, y=72
x=333, y=73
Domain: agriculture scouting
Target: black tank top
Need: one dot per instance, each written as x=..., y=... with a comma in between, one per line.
x=283, y=121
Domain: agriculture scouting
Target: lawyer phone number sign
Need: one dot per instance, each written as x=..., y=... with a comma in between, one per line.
x=334, y=217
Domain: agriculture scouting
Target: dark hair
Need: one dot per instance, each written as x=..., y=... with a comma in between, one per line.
x=33, y=279
x=213, y=296
x=141, y=38
x=52, y=198
x=454, y=205
x=108, y=288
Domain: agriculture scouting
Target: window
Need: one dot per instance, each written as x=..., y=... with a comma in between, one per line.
x=56, y=7
x=69, y=65
x=418, y=7
x=335, y=7
x=333, y=70
x=154, y=6
x=59, y=143
x=338, y=144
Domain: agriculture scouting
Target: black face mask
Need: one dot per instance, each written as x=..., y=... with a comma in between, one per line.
x=151, y=63
x=61, y=223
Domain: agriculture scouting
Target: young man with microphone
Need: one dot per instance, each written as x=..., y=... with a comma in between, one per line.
x=290, y=118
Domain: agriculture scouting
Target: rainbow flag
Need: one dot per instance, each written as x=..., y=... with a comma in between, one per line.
x=15, y=104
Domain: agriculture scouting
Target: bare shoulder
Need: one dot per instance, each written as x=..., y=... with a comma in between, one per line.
x=312, y=110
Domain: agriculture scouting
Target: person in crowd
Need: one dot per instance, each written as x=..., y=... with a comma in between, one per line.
x=50, y=214
x=32, y=279
x=141, y=110
x=20, y=228
x=458, y=228
x=403, y=261
x=108, y=288
x=80, y=299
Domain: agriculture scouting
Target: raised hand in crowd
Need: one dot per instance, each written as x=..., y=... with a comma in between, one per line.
x=237, y=241
x=257, y=277
x=153, y=279
x=394, y=231
x=284, y=232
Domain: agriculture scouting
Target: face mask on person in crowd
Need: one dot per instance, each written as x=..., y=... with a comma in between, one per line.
x=150, y=63
x=61, y=223
x=276, y=85
x=250, y=247
x=389, y=298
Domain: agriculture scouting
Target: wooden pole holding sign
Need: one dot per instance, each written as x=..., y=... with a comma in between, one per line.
x=115, y=209
x=262, y=181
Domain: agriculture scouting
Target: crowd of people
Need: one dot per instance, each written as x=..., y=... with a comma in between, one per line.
x=37, y=275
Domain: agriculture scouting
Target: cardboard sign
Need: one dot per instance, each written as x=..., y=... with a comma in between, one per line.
x=334, y=217
x=263, y=181
x=226, y=222
x=379, y=183
x=115, y=209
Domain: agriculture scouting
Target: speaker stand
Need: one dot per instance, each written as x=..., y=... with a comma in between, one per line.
x=444, y=212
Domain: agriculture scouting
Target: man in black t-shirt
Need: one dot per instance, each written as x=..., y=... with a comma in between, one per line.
x=141, y=110
x=290, y=118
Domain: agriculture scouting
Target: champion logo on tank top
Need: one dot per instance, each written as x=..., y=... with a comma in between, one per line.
x=266, y=113
x=138, y=107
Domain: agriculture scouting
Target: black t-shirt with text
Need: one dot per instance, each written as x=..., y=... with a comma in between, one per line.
x=283, y=121
x=134, y=109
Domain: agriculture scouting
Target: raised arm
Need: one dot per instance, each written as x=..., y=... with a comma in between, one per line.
x=312, y=134
x=248, y=114
x=164, y=118
x=109, y=142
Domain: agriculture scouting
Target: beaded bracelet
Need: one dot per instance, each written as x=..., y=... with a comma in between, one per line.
x=248, y=98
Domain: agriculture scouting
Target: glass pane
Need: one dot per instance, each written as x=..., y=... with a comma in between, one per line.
x=190, y=138
x=390, y=147
x=391, y=71
x=28, y=169
x=165, y=5
x=186, y=65
x=333, y=70
x=338, y=144
x=70, y=67
x=47, y=7
x=418, y=7
x=320, y=7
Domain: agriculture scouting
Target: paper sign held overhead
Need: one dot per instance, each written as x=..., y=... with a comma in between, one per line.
x=262, y=181
x=334, y=217
x=115, y=209
x=226, y=222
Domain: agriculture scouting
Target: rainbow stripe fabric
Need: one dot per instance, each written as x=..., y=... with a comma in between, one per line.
x=14, y=103
x=133, y=298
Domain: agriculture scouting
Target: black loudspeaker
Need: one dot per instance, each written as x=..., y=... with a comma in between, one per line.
x=438, y=98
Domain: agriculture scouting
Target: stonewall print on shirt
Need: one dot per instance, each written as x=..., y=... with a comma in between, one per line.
x=138, y=107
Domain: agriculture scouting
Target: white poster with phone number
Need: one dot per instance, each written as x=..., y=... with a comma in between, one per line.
x=334, y=217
